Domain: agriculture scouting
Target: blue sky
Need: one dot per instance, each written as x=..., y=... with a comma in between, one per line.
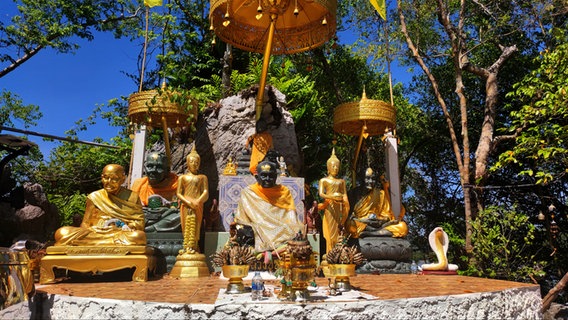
x=67, y=87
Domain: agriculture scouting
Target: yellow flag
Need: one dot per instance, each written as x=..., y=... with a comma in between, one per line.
x=381, y=7
x=152, y=3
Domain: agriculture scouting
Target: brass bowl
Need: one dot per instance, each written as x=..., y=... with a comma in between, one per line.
x=235, y=273
x=342, y=272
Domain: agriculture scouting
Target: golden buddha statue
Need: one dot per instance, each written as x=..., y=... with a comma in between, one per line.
x=113, y=216
x=336, y=204
x=372, y=213
x=230, y=168
x=269, y=209
x=192, y=191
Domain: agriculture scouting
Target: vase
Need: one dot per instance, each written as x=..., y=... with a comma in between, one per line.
x=342, y=272
x=235, y=273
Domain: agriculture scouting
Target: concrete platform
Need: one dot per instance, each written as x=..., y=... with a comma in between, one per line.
x=396, y=297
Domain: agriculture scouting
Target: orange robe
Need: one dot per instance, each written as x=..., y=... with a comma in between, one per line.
x=166, y=188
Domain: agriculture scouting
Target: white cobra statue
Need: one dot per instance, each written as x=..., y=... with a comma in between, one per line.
x=439, y=240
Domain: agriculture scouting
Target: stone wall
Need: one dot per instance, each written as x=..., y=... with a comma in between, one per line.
x=518, y=303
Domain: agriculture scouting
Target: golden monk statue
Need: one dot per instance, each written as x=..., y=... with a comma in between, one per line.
x=261, y=142
x=192, y=191
x=269, y=209
x=372, y=214
x=336, y=204
x=113, y=216
x=157, y=191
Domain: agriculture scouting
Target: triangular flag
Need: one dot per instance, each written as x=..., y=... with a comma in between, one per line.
x=381, y=7
x=152, y=3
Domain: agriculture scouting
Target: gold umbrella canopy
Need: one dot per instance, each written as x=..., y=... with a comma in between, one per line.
x=299, y=25
x=160, y=109
x=350, y=118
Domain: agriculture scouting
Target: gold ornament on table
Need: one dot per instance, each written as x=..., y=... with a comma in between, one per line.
x=234, y=260
x=298, y=267
x=342, y=261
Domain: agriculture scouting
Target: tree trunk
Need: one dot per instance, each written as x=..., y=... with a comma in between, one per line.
x=227, y=69
x=553, y=293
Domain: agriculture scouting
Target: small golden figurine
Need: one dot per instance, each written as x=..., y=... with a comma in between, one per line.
x=230, y=168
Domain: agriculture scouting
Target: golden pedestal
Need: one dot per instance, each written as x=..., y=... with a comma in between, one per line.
x=190, y=265
x=97, y=259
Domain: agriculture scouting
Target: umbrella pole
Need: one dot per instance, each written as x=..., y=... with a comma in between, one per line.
x=265, y=63
x=167, y=141
x=362, y=136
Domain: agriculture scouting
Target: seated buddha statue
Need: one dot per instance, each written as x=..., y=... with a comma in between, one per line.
x=113, y=216
x=372, y=214
x=157, y=191
x=269, y=209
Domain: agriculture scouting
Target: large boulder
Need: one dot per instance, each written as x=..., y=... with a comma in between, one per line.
x=222, y=131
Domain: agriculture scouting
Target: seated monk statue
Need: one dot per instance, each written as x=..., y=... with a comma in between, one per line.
x=269, y=209
x=113, y=216
x=372, y=214
x=157, y=192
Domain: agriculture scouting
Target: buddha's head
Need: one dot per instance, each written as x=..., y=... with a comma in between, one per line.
x=266, y=174
x=333, y=164
x=193, y=161
x=113, y=177
x=370, y=178
x=156, y=167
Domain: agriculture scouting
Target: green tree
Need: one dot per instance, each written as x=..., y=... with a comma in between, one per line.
x=505, y=246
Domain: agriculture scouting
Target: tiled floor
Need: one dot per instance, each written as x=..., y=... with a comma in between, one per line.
x=205, y=290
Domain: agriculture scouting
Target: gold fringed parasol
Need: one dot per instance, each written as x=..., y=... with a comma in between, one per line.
x=160, y=109
x=273, y=27
x=363, y=118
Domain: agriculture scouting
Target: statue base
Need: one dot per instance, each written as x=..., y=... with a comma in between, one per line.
x=439, y=272
x=385, y=255
x=97, y=259
x=190, y=265
x=167, y=245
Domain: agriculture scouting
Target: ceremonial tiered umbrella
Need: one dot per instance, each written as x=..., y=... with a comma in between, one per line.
x=273, y=27
x=363, y=118
x=162, y=109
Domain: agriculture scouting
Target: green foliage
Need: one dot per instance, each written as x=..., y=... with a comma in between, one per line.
x=505, y=246
x=541, y=123
x=69, y=205
x=13, y=112
x=77, y=167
